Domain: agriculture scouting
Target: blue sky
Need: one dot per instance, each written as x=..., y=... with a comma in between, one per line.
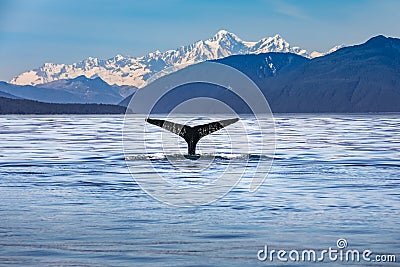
x=67, y=31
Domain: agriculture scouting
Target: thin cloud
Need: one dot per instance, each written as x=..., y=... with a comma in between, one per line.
x=290, y=10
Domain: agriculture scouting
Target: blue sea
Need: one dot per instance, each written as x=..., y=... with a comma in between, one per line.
x=67, y=196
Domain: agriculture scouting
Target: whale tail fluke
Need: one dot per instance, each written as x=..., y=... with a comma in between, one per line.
x=192, y=134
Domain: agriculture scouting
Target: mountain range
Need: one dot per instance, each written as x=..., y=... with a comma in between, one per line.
x=78, y=90
x=136, y=71
x=360, y=78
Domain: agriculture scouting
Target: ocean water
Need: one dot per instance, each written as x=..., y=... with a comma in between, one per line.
x=67, y=197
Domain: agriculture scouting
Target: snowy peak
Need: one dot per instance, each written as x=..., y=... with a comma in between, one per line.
x=315, y=54
x=272, y=43
x=136, y=71
x=278, y=44
x=224, y=36
x=335, y=48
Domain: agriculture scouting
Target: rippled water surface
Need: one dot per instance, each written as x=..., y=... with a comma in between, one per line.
x=67, y=197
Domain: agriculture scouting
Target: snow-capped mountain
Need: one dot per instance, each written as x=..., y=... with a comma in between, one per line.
x=315, y=54
x=360, y=78
x=121, y=70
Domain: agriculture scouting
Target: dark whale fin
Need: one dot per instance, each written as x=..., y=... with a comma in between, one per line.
x=192, y=135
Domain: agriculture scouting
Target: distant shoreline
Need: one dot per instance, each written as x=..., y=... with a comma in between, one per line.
x=10, y=106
